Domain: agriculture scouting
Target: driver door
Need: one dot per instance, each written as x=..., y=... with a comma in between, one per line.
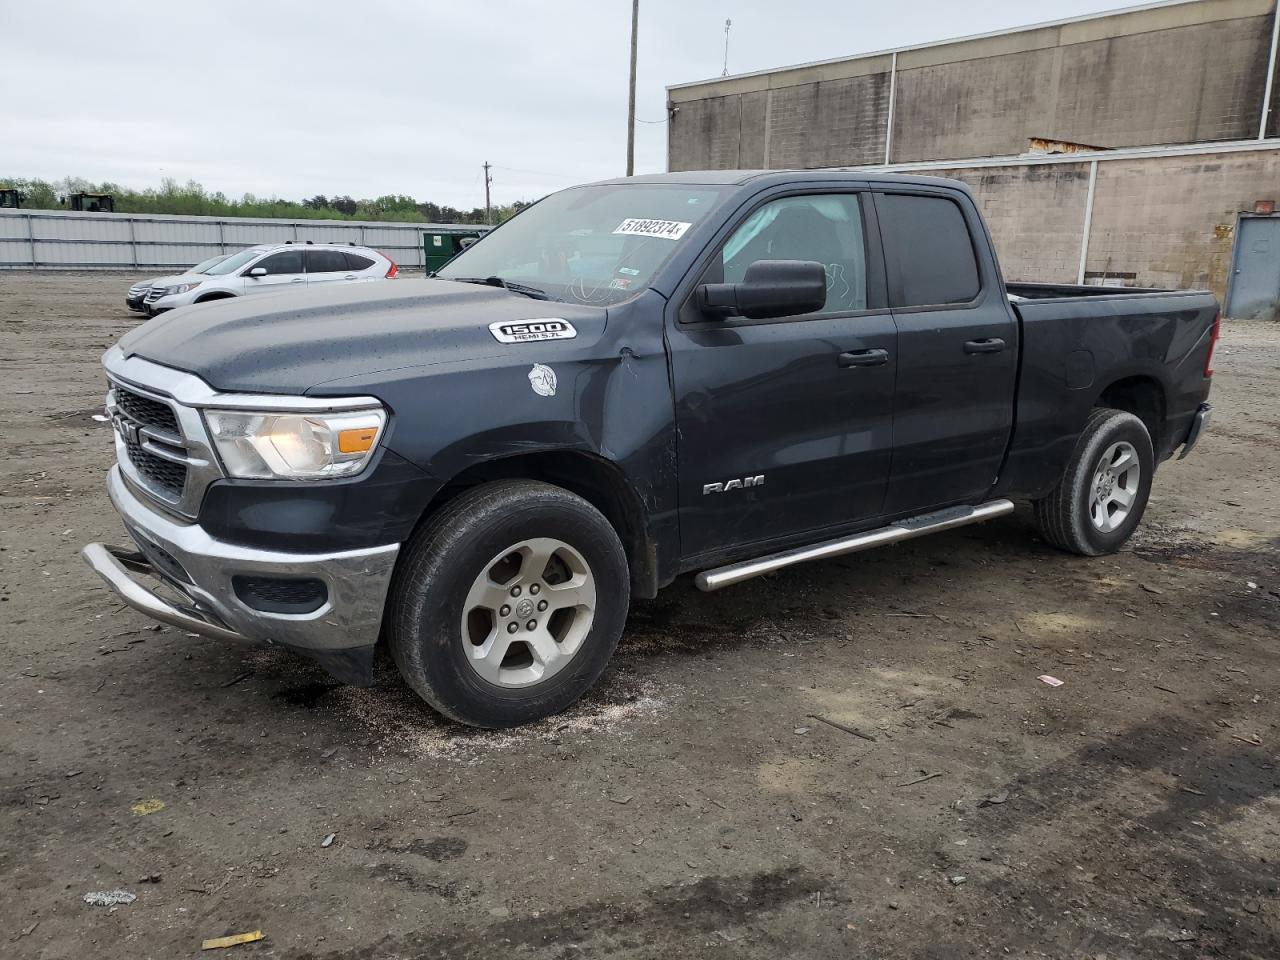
x=786, y=425
x=283, y=269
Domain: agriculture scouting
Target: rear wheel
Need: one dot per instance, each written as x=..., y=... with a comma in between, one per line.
x=509, y=603
x=1103, y=492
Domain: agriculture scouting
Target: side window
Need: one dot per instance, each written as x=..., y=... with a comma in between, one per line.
x=927, y=245
x=357, y=262
x=286, y=261
x=326, y=261
x=826, y=228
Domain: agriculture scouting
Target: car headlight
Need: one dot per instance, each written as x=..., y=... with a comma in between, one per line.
x=295, y=446
x=181, y=288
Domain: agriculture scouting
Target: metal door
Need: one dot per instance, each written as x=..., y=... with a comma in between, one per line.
x=1254, y=292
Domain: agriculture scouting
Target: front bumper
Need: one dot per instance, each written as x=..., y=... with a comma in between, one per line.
x=340, y=634
x=1198, y=423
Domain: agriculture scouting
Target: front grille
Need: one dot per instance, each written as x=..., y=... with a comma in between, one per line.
x=165, y=476
x=146, y=411
x=135, y=292
x=151, y=425
x=154, y=294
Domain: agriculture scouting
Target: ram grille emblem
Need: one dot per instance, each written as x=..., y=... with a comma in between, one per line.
x=756, y=481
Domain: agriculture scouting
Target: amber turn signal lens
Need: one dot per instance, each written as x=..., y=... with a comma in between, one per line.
x=356, y=441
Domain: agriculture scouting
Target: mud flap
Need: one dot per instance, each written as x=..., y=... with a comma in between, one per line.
x=352, y=665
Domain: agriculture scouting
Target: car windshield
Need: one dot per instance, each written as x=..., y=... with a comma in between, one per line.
x=597, y=244
x=234, y=262
x=204, y=265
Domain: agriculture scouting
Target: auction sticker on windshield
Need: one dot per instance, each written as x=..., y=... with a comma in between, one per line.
x=666, y=229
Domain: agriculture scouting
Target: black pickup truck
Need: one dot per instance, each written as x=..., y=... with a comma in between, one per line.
x=719, y=373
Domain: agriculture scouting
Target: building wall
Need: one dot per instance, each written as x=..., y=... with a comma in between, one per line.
x=1173, y=74
x=1157, y=221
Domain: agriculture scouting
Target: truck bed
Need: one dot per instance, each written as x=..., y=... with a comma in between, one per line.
x=1078, y=343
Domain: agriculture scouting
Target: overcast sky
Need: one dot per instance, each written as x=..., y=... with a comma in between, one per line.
x=368, y=97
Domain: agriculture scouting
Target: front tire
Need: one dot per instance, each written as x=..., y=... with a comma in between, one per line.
x=1103, y=492
x=508, y=603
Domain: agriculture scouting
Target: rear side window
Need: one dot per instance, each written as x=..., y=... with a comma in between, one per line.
x=326, y=261
x=287, y=261
x=357, y=262
x=927, y=246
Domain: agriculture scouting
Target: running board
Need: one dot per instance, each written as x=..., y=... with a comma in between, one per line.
x=907, y=529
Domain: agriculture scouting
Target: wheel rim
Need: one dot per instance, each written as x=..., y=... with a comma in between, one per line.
x=528, y=612
x=1115, y=486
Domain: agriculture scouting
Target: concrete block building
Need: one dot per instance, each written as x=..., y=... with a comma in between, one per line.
x=1139, y=147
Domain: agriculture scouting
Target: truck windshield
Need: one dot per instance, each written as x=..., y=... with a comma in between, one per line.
x=597, y=244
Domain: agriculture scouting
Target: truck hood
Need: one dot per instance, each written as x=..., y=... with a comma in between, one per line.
x=290, y=342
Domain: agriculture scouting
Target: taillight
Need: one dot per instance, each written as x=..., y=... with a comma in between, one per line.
x=393, y=272
x=1213, y=342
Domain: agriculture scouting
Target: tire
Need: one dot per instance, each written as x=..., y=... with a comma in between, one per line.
x=1086, y=513
x=476, y=571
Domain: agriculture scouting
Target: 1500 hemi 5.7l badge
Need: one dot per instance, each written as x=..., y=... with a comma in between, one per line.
x=523, y=331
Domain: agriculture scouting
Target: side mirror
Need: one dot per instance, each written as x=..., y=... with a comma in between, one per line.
x=257, y=272
x=771, y=288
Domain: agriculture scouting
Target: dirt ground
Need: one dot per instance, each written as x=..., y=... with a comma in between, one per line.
x=694, y=805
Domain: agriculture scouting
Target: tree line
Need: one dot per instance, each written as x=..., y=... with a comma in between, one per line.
x=192, y=199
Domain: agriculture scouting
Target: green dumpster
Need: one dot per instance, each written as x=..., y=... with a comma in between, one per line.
x=439, y=248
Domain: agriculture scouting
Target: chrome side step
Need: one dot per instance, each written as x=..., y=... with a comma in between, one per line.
x=907, y=529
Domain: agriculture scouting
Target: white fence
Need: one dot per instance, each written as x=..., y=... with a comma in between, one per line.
x=53, y=239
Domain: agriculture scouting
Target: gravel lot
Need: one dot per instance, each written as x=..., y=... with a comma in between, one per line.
x=694, y=806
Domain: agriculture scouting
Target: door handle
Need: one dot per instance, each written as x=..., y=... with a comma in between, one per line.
x=349, y=276
x=298, y=280
x=989, y=345
x=864, y=358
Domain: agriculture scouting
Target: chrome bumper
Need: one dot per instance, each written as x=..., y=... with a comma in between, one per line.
x=356, y=581
x=1197, y=428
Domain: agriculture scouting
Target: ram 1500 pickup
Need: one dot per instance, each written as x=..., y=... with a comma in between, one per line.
x=714, y=373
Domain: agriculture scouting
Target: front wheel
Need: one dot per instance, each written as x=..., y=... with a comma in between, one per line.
x=509, y=603
x=1103, y=492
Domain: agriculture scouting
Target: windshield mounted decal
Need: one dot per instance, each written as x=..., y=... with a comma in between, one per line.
x=665, y=229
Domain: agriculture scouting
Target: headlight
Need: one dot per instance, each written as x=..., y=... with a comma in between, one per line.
x=295, y=446
x=180, y=288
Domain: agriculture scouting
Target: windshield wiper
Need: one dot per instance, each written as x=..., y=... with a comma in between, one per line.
x=531, y=292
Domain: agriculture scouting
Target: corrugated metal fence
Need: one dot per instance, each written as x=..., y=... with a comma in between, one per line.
x=53, y=239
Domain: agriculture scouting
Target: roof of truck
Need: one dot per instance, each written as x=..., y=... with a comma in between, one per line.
x=765, y=177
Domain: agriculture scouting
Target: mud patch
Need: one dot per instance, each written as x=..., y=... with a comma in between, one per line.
x=438, y=849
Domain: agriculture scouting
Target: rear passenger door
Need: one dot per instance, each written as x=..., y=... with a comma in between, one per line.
x=327, y=266
x=957, y=350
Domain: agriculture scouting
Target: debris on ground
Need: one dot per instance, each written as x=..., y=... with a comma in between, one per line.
x=841, y=726
x=995, y=799
x=215, y=943
x=328, y=841
x=957, y=879
x=146, y=807
x=109, y=898
x=1051, y=681
x=927, y=776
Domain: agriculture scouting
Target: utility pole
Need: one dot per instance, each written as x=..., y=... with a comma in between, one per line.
x=488, y=210
x=631, y=99
x=727, y=24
